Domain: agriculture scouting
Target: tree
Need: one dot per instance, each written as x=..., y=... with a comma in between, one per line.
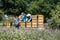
x=1, y=15
x=34, y=6
x=17, y=6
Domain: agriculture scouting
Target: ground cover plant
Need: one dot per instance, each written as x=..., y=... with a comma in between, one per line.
x=33, y=34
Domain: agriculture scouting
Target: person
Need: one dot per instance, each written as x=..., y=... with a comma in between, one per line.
x=17, y=22
x=24, y=17
x=29, y=17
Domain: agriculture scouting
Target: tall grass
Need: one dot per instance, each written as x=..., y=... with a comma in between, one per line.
x=20, y=34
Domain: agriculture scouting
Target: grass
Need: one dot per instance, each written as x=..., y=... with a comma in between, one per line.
x=2, y=23
x=33, y=34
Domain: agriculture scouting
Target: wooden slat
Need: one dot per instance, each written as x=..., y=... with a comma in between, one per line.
x=8, y=25
x=40, y=20
x=34, y=17
x=34, y=24
x=34, y=21
x=22, y=24
x=40, y=23
x=28, y=24
x=40, y=15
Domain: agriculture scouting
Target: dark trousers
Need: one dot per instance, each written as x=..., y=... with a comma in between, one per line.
x=17, y=26
x=10, y=24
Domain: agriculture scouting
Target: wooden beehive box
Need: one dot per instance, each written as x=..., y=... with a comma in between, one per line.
x=37, y=21
x=22, y=24
x=34, y=20
x=40, y=21
x=8, y=24
x=28, y=24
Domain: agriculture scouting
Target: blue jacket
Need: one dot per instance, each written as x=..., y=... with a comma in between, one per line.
x=24, y=17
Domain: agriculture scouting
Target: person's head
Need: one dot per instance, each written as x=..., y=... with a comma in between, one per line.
x=16, y=16
x=28, y=15
x=22, y=13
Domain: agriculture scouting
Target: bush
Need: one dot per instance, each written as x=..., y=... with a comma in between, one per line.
x=1, y=18
x=52, y=24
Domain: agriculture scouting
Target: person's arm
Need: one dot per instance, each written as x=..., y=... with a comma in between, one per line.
x=30, y=18
x=19, y=20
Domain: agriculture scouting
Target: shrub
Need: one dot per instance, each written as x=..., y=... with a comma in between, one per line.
x=1, y=18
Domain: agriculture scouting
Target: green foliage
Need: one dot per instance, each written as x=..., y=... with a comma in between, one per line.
x=34, y=6
x=56, y=15
x=0, y=18
x=44, y=7
x=14, y=34
x=1, y=4
x=1, y=13
x=17, y=6
x=31, y=6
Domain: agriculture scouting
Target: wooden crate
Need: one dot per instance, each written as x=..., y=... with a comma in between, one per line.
x=34, y=21
x=40, y=21
x=28, y=24
x=8, y=24
x=34, y=24
x=40, y=17
x=22, y=24
x=34, y=17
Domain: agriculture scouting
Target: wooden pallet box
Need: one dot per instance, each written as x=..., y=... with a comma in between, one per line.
x=34, y=17
x=40, y=21
x=22, y=24
x=28, y=24
x=8, y=24
x=34, y=24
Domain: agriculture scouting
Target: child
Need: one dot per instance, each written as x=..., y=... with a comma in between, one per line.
x=16, y=22
x=29, y=17
x=24, y=17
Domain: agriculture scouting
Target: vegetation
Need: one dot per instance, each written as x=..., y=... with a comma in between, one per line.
x=49, y=8
x=14, y=34
x=1, y=13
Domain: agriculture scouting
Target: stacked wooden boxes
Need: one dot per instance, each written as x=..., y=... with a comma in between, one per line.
x=22, y=24
x=40, y=21
x=28, y=24
x=34, y=20
x=37, y=21
x=8, y=24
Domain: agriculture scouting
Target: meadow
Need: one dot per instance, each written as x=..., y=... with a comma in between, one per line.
x=29, y=34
